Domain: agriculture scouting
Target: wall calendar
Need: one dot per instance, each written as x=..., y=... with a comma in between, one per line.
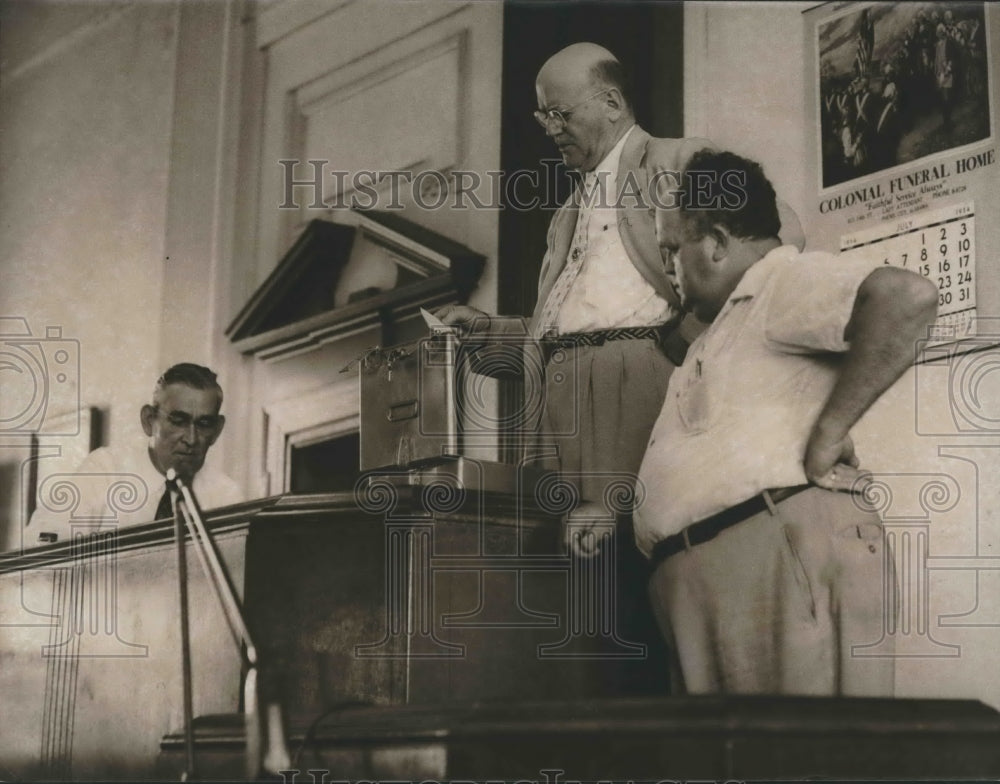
x=940, y=245
x=904, y=156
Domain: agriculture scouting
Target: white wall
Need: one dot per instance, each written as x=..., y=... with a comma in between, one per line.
x=745, y=90
x=135, y=149
x=117, y=181
x=117, y=188
x=87, y=99
x=743, y=84
x=364, y=86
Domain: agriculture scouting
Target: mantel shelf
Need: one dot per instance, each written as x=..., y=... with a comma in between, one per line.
x=308, y=300
x=340, y=323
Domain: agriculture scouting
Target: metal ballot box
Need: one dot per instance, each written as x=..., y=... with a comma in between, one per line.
x=409, y=403
x=412, y=419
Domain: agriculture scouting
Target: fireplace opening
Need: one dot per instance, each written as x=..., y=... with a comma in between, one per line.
x=328, y=466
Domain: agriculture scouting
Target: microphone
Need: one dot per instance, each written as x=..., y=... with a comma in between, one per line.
x=265, y=737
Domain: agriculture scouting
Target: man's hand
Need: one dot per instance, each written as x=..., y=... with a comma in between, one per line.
x=467, y=319
x=585, y=528
x=832, y=463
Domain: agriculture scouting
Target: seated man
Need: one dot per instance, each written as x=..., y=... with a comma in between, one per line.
x=768, y=564
x=127, y=484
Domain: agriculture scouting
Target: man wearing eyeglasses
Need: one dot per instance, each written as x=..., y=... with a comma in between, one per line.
x=126, y=484
x=606, y=311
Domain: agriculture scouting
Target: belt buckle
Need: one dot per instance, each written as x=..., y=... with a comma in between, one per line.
x=771, y=506
x=686, y=538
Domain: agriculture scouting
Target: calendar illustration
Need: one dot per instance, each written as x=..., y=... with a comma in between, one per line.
x=938, y=244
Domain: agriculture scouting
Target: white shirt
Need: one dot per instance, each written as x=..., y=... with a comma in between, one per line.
x=739, y=411
x=609, y=291
x=116, y=487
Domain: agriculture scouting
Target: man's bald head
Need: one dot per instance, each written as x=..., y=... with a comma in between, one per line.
x=586, y=65
x=586, y=85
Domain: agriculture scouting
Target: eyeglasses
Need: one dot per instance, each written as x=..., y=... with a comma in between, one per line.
x=561, y=116
x=181, y=420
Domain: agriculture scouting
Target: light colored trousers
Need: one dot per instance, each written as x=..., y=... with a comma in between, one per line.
x=601, y=404
x=785, y=602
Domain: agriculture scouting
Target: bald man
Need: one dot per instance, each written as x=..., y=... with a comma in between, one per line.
x=606, y=310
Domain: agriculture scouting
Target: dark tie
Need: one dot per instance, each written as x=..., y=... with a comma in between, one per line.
x=164, y=508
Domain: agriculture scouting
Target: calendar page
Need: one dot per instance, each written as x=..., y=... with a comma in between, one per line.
x=902, y=169
x=938, y=244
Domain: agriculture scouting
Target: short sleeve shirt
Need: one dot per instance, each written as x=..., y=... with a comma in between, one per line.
x=738, y=412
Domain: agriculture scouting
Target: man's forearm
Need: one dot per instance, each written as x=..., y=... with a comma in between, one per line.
x=891, y=314
x=508, y=325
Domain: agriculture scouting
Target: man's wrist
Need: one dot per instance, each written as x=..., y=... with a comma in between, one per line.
x=827, y=431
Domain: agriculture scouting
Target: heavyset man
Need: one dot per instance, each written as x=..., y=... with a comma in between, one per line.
x=605, y=304
x=769, y=568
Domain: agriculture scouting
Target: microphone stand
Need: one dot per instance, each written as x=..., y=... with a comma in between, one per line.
x=268, y=755
x=182, y=584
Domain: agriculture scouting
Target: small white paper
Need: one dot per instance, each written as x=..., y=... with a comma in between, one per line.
x=434, y=323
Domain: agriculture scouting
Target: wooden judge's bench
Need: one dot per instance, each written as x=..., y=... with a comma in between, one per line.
x=408, y=632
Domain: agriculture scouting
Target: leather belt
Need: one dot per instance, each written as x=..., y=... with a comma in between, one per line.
x=707, y=529
x=672, y=343
x=602, y=336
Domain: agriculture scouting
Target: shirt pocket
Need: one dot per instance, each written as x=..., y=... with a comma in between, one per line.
x=694, y=402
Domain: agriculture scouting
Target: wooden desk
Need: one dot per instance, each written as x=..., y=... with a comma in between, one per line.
x=90, y=692
x=629, y=739
x=414, y=599
x=404, y=605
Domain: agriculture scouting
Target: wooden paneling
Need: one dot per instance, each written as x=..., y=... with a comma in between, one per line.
x=379, y=87
x=89, y=639
x=407, y=605
x=397, y=596
x=679, y=739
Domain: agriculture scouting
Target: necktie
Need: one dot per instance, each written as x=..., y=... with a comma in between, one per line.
x=164, y=508
x=578, y=250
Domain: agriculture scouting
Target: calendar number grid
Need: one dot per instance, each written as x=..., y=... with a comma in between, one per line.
x=940, y=246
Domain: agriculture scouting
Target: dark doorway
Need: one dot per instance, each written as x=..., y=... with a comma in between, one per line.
x=327, y=466
x=648, y=39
